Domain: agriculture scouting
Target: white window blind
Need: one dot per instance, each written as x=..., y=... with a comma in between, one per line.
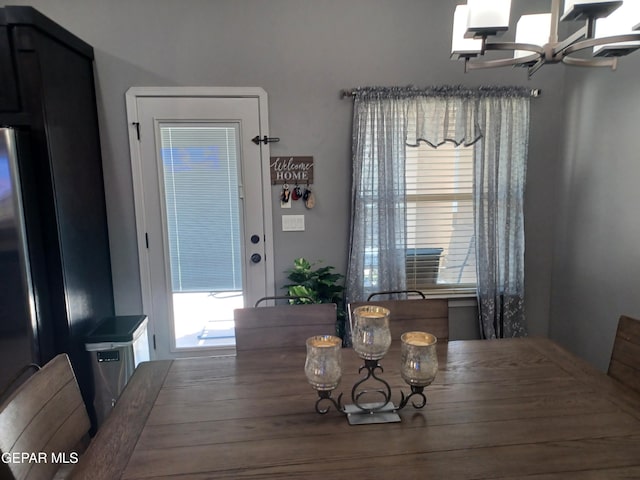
x=202, y=206
x=440, y=240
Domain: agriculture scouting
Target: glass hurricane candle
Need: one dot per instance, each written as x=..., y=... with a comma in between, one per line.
x=323, y=365
x=419, y=358
x=371, y=335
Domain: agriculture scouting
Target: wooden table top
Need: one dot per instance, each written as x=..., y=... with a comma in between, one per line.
x=498, y=409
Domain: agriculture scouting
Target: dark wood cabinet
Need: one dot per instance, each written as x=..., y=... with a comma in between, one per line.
x=8, y=90
x=47, y=92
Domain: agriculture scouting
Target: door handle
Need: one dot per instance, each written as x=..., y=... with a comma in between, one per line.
x=256, y=257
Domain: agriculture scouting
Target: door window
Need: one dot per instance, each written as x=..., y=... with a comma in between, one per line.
x=200, y=166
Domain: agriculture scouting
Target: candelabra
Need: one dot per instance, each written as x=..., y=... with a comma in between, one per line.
x=371, y=339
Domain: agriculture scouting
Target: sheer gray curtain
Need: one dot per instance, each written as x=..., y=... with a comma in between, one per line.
x=499, y=181
x=495, y=120
x=378, y=225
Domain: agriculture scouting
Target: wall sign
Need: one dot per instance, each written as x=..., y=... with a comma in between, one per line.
x=292, y=170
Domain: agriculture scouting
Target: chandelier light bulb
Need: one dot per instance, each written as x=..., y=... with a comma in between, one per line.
x=461, y=46
x=533, y=29
x=487, y=17
x=620, y=22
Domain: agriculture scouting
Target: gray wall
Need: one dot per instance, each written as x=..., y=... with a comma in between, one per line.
x=597, y=252
x=302, y=52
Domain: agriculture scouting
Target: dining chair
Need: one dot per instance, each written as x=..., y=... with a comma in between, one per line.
x=624, y=365
x=422, y=314
x=46, y=418
x=282, y=325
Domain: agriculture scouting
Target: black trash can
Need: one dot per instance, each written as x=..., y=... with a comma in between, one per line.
x=117, y=345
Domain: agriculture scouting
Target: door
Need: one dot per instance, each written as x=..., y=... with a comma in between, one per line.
x=202, y=212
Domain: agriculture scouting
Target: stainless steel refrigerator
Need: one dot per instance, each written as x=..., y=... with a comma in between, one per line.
x=18, y=331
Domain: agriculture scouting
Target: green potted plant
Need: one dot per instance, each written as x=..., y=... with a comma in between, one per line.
x=317, y=284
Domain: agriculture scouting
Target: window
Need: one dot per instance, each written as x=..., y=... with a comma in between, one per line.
x=420, y=215
x=439, y=214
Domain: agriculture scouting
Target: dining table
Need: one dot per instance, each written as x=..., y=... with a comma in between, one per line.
x=497, y=409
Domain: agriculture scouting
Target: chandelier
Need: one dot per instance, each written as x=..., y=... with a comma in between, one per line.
x=611, y=29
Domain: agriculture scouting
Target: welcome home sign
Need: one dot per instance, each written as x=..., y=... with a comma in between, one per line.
x=295, y=170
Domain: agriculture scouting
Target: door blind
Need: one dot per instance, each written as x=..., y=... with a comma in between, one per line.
x=200, y=166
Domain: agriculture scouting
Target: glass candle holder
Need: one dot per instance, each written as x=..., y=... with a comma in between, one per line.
x=323, y=366
x=371, y=335
x=419, y=359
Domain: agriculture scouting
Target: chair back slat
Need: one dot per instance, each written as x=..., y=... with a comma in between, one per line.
x=426, y=315
x=625, y=357
x=282, y=325
x=45, y=415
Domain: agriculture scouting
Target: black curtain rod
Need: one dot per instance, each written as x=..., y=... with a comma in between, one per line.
x=346, y=93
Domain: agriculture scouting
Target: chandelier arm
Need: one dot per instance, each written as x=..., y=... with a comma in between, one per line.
x=535, y=67
x=611, y=62
x=555, y=17
x=537, y=50
x=505, y=62
x=560, y=47
x=529, y=47
x=594, y=42
x=538, y=53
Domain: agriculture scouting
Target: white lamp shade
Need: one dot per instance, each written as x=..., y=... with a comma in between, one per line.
x=577, y=9
x=461, y=46
x=487, y=17
x=533, y=29
x=620, y=22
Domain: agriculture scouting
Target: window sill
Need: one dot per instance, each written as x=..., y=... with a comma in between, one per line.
x=456, y=299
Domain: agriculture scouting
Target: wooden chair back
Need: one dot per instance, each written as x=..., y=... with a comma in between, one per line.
x=624, y=365
x=45, y=416
x=282, y=325
x=425, y=315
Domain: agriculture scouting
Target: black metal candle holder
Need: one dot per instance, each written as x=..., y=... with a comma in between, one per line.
x=359, y=413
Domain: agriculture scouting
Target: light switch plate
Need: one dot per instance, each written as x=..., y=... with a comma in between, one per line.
x=293, y=223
